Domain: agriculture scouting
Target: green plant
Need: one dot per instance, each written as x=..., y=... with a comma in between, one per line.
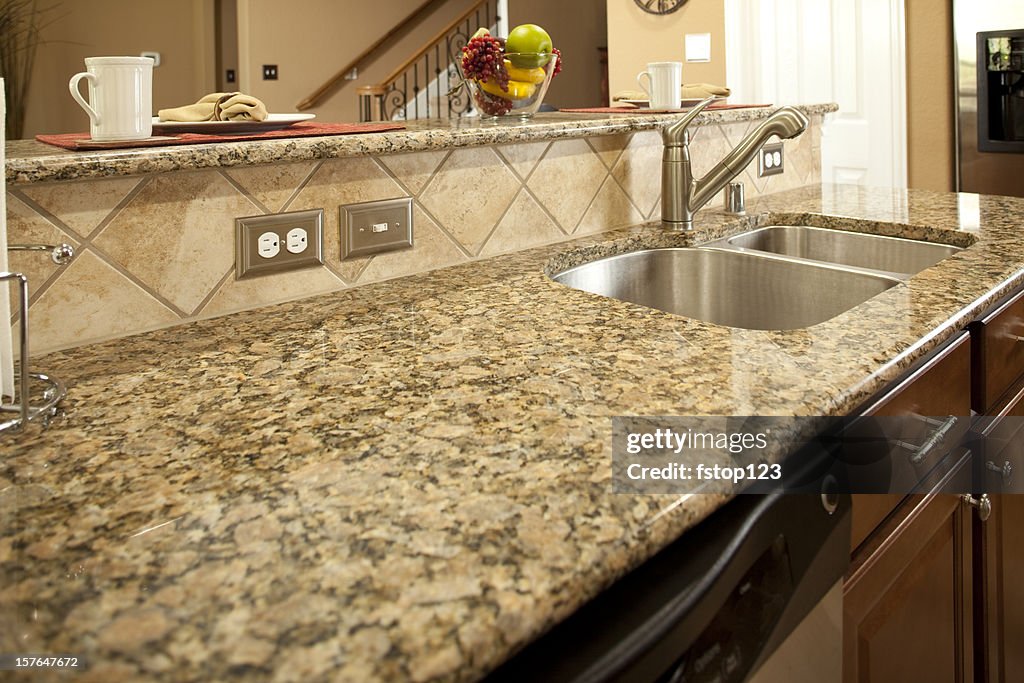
x=20, y=24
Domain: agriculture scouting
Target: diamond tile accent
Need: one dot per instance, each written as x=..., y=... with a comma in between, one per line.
x=611, y=209
x=431, y=249
x=415, y=169
x=240, y=295
x=566, y=180
x=525, y=225
x=177, y=234
x=83, y=205
x=25, y=226
x=638, y=170
x=338, y=182
x=272, y=185
x=609, y=147
x=89, y=302
x=470, y=193
x=523, y=156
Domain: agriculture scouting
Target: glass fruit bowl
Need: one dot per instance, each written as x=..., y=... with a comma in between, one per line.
x=527, y=84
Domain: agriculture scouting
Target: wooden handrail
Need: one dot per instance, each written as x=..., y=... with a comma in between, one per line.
x=314, y=98
x=438, y=37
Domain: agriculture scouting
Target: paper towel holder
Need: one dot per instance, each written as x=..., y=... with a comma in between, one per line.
x=54, y=390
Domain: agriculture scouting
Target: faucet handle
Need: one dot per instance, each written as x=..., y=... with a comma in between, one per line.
x=672, y=134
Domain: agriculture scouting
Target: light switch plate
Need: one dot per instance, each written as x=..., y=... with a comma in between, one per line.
x=697, y=47
x=249, y=230
x=373, y=227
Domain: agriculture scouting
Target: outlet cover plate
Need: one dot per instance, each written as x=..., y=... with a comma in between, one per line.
x=770, y=160
x=373, y=227
x=248, y=262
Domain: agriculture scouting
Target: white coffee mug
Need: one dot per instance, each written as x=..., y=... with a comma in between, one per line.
x=666, y=84
x=120, y=105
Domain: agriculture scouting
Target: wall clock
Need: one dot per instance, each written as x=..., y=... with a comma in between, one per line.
x=660, y=6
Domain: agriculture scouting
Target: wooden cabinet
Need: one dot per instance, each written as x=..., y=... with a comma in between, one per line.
x=907, y=600
x=999, y=541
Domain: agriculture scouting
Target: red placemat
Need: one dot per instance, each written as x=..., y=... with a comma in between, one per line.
x=82, y=141
x=643, y=110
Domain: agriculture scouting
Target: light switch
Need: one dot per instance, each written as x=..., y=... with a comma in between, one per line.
x=698, y=47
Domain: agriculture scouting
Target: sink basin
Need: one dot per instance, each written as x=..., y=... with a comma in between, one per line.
x=729, y=288
x=895, y=255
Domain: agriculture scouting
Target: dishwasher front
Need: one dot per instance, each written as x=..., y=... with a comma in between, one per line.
x=751, y=593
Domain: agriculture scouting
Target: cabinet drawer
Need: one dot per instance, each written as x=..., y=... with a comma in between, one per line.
x=1003, y=461
x=941, y=387
x=1000, y=341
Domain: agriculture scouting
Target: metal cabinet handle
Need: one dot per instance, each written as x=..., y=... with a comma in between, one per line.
x=1006, y=470
x=983, y=504
x=919, y=453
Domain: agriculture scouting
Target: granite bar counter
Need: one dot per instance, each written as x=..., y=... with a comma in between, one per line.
x=30, y=161
x=410, y=480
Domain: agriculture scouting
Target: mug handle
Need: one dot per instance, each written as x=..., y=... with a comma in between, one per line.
x=640, y=83
x=75, y=93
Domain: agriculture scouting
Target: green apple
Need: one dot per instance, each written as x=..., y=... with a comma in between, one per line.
x=525, y=39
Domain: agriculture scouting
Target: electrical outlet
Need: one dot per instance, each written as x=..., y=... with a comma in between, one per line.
x=373, y=227
x=259, y=241
x=229, y=76
x=268, y=245
x=297, y=240
x=770, y=160
x=270, y=72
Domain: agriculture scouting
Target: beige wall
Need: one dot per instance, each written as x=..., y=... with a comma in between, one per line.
x=929, y=95
x=636, y=38
x=91, y=28
x=312, y=45
x=577, y=29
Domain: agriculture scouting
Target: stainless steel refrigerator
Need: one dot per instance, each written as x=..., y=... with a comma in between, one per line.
x=989, y=48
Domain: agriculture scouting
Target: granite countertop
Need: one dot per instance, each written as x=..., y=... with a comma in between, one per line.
x=410, y=480
x=29, y=161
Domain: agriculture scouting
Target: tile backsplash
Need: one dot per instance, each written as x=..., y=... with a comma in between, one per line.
x=158, y=250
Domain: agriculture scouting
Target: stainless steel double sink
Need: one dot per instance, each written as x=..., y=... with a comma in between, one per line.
x=779, y=277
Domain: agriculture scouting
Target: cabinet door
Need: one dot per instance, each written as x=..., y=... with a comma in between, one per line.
x=1000, y=547
x=907, y=600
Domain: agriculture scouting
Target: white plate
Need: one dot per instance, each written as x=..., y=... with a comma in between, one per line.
x=684, y=104
x=272, y=122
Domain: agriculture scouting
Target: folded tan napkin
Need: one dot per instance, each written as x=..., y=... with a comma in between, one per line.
x=218, y=106
x=689, y=91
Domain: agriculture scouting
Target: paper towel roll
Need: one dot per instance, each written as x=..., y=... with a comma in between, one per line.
x=6, y=346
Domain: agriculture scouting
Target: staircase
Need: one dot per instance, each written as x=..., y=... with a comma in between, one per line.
x=417, y=88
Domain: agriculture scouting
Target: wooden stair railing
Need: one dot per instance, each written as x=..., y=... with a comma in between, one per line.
x=396, y=94
x=320, y=93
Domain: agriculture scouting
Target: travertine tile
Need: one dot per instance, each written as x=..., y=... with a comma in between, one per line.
x=609, y=147
x=525, y=225
x=566, y=180
x=338, y=182
x=91, y=301
x=25, y=226
x=240, y=295
x=177, y=234
x=272, y=185
x=431, y=249
x=470, y=193
x=81, y=206
x=523, y=156
x=611, y=209
x=639, y=170
x=414, y=169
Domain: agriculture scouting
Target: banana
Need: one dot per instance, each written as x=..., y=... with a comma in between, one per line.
x=535, y=76
x=517, y=90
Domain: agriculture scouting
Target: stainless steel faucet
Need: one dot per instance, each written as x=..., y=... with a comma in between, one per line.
x=682, y=194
